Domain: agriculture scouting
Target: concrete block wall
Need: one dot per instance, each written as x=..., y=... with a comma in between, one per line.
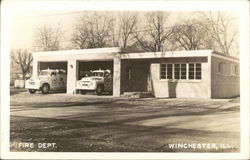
x=224, y=85
x=181, y=88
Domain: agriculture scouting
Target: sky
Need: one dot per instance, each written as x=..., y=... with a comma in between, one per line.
x=23, y=24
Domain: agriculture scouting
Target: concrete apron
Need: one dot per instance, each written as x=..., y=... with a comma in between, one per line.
x=230, y=121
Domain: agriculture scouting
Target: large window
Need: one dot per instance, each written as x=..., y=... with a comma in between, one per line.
x=177, y=71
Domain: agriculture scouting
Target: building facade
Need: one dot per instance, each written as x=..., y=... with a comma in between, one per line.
x=177, y=74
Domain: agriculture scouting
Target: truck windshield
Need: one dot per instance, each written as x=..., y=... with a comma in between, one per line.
x=99, y=74
x=44, y=73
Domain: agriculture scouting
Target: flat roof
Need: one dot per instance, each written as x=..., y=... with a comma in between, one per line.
x=109, y=53
x=80, y=51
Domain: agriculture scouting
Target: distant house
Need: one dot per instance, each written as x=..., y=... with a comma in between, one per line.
x=19, y=81
x=180, y=74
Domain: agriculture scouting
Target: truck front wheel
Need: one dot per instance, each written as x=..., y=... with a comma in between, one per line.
x=99, y=90
x=45, y=89
x=32, y=91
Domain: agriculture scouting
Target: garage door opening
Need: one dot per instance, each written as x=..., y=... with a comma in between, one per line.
x=96, y=77
x=85, y=67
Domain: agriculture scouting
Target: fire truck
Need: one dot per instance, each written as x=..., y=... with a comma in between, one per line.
x=47, y=80
x=98, y=81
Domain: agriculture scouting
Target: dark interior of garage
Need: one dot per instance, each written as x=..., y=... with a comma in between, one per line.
x=87, y=66
x=53, y=65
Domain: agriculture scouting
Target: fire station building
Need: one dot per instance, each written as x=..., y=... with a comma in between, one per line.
x=175, y=74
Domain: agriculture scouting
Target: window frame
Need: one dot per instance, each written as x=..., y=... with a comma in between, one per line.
x=180, y=72
x=221, y=69
x=234, y=70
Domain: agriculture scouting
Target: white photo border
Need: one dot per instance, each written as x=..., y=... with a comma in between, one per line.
x=242, y=7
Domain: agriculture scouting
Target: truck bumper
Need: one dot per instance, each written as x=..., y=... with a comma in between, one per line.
x=32, y=86
x=87, y=89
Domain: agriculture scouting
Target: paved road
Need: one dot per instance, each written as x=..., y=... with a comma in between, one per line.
x=134, y=123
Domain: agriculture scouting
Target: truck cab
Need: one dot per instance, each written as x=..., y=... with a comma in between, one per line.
x=47, y=80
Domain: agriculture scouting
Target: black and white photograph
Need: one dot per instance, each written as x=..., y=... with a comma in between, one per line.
x=125, y=80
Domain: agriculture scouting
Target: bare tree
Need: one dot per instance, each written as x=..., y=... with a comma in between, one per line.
x=24, y=59
x=156, y=32
x=93, y=31
x=189, y=35
x=220, y=28
x=48, y=38
x=127, y=25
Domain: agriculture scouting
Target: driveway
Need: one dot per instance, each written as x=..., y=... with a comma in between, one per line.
x=87, y=123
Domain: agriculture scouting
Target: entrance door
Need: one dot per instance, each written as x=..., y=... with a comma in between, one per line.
x=138, y=76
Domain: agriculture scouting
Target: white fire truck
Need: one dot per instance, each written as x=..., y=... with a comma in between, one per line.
x=47, y=80
x=99, y=81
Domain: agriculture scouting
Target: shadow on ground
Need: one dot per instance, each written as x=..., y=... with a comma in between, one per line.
x=110, y=124
x=84, y=136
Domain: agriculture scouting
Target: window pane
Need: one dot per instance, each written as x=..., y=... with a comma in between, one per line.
x=163, y=71
x=198, y=67
x=183, y=71
x=198, y=75
x=198, y=71
x=191, y=71
x=176, y=71
x=169, y=71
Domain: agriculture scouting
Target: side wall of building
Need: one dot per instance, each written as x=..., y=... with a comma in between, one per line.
x=225, y=83
x=182, y=88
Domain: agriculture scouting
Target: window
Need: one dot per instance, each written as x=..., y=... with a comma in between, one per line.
x=163, y=71
x=191, y=71
x=221, y=67
x=176, y=71
x=53, y=74
x=169, y=71
x=180, y=71
x=183, y=71
x=197, y=71
x=44, y=73
x=236, y=70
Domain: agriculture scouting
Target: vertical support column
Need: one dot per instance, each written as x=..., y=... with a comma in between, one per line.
x=35, y=67
x=209, y=75
x=71, y=76
x=117, y=75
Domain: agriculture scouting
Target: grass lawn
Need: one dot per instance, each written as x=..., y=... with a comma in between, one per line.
x=87, y=123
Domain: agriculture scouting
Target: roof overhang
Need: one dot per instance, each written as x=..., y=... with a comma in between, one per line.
x=172, y=54
x=110, y=53
x=84, y=54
